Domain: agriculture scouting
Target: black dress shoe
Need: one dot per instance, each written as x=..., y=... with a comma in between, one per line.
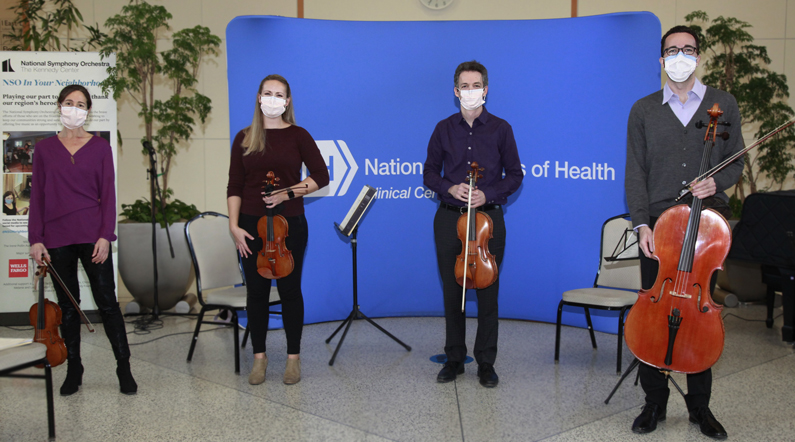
x=488, y=378
x=647, y=421
x=707, y=422
x=449, y=372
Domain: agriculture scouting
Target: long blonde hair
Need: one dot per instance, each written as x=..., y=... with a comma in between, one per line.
x=254, y=140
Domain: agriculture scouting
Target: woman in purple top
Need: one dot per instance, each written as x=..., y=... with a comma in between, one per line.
x=273, y=143
x=73, y=217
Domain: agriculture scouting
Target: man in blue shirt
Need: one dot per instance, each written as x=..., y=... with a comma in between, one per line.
x=471, y=135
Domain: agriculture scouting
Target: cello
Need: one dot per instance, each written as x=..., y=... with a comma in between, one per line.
x=274, y=261
x=675, y=325
x=475, y=266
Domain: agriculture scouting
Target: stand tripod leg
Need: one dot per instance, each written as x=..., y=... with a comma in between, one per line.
x=631, y=367
x=668, y=376
x=348, y=321
x=385, y=332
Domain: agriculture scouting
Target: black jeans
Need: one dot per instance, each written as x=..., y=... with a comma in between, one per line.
x=654, y=383
x=103, y=288
x=448, y=247
x=258, y=288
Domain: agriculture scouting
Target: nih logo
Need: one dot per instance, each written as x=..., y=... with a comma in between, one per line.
x=341, y=168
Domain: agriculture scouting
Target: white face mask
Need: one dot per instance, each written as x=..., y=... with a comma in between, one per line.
x=471, y=99
x=680, y=67
x=272, y=107
x=73, y=117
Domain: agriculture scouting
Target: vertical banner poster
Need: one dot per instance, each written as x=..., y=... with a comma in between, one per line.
x=371, y=93
x=29, y=86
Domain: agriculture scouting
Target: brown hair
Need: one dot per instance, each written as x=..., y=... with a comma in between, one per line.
x=254, y=140
x=71, y=88
x=471, y=66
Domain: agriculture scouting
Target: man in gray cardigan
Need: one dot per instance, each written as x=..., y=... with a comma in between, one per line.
x=665, y=144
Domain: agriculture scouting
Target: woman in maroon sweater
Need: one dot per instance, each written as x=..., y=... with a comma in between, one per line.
x=73, y=218
x=274, y=143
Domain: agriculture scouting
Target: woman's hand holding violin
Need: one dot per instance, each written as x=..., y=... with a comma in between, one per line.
x=274, y=199
x=37, y=251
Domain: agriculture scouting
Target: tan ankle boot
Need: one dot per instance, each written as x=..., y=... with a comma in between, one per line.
x=292, y=374
x=257, y=375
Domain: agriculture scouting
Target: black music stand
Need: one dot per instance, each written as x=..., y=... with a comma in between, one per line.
x=357, y=211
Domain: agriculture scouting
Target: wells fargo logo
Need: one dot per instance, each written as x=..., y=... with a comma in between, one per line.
x=17, y=268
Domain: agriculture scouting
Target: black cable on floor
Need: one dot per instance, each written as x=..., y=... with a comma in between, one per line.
x=145, y=325
x=175, y=334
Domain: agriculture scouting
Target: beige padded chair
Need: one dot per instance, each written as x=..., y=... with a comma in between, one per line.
x=219, y=275
x=617, y=280
x=23, y=356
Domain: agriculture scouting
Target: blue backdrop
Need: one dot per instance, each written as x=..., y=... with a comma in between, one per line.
x=371, y=93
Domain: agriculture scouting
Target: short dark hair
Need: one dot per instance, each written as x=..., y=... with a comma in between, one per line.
x=471, y=66
x=71, y=88
x=677, y=30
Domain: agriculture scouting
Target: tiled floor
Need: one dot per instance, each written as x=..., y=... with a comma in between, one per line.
x=378, y=391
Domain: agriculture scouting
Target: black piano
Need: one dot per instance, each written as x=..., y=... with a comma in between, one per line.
x=766, y=235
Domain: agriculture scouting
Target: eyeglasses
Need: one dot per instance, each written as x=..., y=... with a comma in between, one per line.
x=673, y=50
x=469, y=87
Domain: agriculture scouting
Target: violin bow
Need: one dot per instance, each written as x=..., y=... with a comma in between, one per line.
x=286, y=189
x=466, y=247
x=57, y=277
x=732, y=159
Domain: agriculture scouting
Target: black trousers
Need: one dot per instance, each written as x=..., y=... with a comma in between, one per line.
x=448, y=247
x=654, y=383
x=103, y=288
x=258, y=288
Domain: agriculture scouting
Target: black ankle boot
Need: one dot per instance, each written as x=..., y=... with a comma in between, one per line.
x=126, y=382
x=74, y=378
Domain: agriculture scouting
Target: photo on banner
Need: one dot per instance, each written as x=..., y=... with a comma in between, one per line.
x=29, y=86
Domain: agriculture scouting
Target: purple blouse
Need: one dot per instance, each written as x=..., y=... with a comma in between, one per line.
x=72, y=203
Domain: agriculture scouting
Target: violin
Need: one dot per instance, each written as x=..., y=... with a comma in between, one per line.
x=45, y=316
x=475, y=267
x=274, y=261
x=675, y=325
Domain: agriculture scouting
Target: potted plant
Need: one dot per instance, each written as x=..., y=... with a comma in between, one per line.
x=168, y=124
x=734, y=64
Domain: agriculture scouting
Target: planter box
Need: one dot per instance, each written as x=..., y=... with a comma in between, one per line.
x=175, y=275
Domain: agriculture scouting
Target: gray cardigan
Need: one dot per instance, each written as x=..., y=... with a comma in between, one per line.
x=663, y=155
